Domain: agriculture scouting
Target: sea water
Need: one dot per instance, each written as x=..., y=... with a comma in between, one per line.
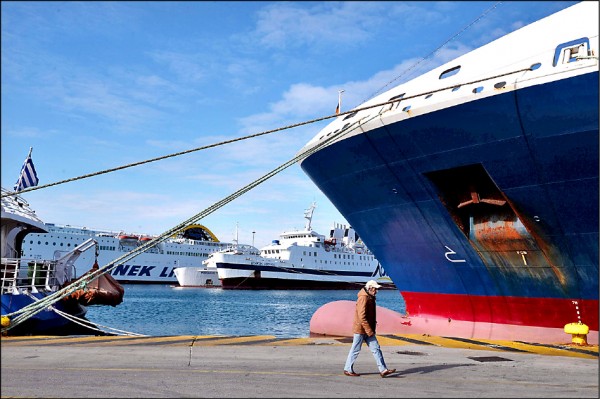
x=159, y=310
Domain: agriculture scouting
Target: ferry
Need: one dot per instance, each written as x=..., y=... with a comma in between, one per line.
x=300, y=259
x=153, y=266
x=197, y=277
x=478, y=185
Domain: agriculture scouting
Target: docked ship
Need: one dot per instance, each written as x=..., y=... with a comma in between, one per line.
x=197, y=276
x=155, y=265
x=27, y=282
x=478, y=185
x=300, y=259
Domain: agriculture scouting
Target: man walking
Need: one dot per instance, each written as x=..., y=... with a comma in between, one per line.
x=365, y=321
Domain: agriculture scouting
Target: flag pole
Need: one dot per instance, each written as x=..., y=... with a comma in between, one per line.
x=339, y=107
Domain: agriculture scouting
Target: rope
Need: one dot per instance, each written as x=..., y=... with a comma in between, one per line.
x=93, y=326
x=34, y=308
x=174, y=154
x=81, y=321
x=436, y=50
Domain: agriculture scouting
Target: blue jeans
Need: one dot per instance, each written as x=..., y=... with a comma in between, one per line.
x=355, y=350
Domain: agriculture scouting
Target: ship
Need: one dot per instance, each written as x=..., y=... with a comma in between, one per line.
x=155, y=265
x=197, y=277
x=27, y=281
x=299, y=260
x=478, y=185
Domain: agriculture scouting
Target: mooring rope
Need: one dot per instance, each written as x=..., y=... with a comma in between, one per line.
x=174, y=154
x=93, y=325
x=431, y=54
x=34, y=308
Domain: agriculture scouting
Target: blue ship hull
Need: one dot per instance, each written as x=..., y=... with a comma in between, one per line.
x=485, y=212
x=46, y=322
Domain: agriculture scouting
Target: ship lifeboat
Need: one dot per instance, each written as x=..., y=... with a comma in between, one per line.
x=127, y=237
x=145, y=239
x=330, y=241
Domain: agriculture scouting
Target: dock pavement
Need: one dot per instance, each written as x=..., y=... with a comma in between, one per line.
x=270, y=367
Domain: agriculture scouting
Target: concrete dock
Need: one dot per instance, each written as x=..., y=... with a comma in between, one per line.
x=265, y=366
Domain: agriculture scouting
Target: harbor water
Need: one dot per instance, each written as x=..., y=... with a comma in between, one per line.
x=159, y=310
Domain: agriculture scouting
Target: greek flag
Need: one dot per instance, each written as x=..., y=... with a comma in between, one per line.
x=28, y=177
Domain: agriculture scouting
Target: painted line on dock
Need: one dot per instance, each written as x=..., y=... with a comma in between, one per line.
x=587, y=351
x=240, y=340
x=590, y=351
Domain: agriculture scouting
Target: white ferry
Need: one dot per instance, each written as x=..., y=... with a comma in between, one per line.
x=197, y=277
x=156, y=265
x=300, y=259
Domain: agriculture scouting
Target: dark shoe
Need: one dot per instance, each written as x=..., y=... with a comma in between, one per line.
x=387, y=372
x=351, y=374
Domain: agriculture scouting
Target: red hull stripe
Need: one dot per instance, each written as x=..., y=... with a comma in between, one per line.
x=540, y=312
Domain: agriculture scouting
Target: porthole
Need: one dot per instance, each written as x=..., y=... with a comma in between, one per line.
x=478, y=89
x=350, y=115
x=450, y=72
x=398, y=97
x=406, y=108
x=429, y=95
x=535, y=66
x=500, y=85
x=456, y=88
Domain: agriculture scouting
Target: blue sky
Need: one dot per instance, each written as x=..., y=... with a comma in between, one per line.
x=96, y=85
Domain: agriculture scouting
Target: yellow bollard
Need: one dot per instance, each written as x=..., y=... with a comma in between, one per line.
x=578, y=331
x=5, y=321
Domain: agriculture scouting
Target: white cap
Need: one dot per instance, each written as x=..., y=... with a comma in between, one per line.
x=372, y=284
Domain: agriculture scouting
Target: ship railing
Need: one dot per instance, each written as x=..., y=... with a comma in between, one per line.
x=20, y=275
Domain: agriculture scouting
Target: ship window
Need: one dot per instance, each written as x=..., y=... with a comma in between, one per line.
x=478, y=89
x=500, y=85
x=398, y=97
x=406, y=108
x=350, y=115
x=535, y=66
x=429, y=95
x=569, y=51
x=450, y=72
x=456, y=88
